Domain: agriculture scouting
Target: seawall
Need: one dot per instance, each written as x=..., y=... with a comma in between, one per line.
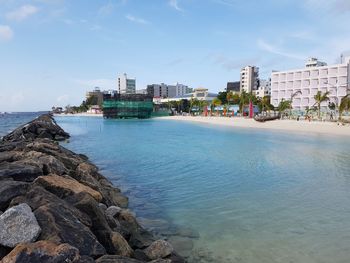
x=55, y=206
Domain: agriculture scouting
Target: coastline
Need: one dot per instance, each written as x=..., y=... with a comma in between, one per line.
x=84, y=114
x=324, y=128
x=59, y=208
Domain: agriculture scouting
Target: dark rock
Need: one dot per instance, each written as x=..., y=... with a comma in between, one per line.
x=159, y=249
x=18, y=225
x=42, y=251
x=116, y=259
x=99, y=227
x=113, y=211
x=63, y=187
x=19, y=171
x=111, y=195
x=140, y=255
x=121, y=246
x=4, y=251
x=86, y=259
x=102, y=206
x=9, y=190
x=135, y=234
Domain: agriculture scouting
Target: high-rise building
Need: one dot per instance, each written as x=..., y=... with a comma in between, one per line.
x=306, y=82
x=126, y=85
x=249, y=79
x=264, y=88
x=167, y=91
x=234, y=87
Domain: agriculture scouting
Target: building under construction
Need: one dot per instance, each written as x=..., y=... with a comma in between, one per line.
x=123, y=106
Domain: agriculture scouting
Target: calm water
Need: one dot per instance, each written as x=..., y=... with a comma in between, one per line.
x=253, y=196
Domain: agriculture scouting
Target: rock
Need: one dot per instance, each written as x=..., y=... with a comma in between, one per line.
x=4, y=251
x=87, y=174
x=18, y=225
x=19, y=171
x=159, y=249
x=182, y=245
x=113, y=211
x=112, y=195
x=99, y=227
x=60, y=225
x=9, y=190
x=121, y=246
x=48, y=163
x=42, y=251
x=116, y=259
x=161, y=261
x=137, y=236
x=102, y=206
x=62, y=187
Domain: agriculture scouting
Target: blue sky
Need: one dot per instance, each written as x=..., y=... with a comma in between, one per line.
x=53, y=51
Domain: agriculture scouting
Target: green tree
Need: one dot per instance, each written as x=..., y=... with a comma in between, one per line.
x=283, y=106
x=243, y=101
x=222, y=96
x=216, y=102
x=319, y=98
x=344, y=106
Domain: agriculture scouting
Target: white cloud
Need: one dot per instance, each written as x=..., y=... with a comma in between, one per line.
x=6, y=33
x=22, y=13
x=262, y=44
x=137, y=20
x=174, y=4
x=106, y=9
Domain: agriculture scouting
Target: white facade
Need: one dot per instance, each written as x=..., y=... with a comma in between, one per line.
x=264, y=89
x=168, y=91
x=125, y=85
x=249, y=78
x=201, y=94
x=307, y=82
x=314, y=62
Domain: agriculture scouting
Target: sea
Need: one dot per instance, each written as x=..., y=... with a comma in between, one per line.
x=223, y=194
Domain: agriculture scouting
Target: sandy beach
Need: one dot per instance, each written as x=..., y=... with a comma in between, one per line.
x=313, y=127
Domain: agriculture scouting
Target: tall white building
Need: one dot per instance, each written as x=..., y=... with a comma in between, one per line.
x=308, y=81
x=264, y=88
x=249, y=78
x=125, y=85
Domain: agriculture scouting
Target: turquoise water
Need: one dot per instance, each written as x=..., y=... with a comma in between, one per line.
x=11, y=121
x=253, y=196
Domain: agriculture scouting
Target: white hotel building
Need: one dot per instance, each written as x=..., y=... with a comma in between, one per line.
x=316, y=76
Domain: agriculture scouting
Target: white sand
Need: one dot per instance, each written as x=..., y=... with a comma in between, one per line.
x=314, y=127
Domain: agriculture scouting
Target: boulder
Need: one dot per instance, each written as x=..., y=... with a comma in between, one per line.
x=19, y=171
x=42, y=251
x=159, y=249
x=4, y=251
x=111, y=195
x=87, y=174
x=121, y=246
x=9, y=190
x=113, y=211
x=116, y=259
x=134, y=233
x=65, y=186
x=18, y=225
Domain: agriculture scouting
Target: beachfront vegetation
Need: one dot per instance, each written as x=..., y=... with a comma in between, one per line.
x=344, y=106
x=319, y=98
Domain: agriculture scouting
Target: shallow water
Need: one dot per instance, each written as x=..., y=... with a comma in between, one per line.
x=253, y=196
x=10, y=121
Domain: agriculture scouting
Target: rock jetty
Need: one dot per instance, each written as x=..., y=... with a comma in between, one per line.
x=56, y=207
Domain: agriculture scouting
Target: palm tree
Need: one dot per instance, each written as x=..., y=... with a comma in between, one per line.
x=265, y=103
x=216, y=102
x=344, y=105
x=319, y=98
x=292, y=96
x=283, y=106
x=243, y=101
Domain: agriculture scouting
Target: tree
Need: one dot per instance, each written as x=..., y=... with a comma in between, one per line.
x=283, y=106
x=91, y=100
x=319, y=98
x=265, y=103
x=344, y=106
x=292, y=96
x=216, y=102
x=243, y=101
x=222, y=96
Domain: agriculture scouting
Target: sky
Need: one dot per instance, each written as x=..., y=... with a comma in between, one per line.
x=53, y=51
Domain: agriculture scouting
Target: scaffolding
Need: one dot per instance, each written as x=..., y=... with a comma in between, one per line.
x=125, y=106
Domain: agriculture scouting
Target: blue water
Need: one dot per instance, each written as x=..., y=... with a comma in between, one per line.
x=253, y=196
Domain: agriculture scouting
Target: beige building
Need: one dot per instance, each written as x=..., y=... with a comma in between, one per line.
x=249, y=79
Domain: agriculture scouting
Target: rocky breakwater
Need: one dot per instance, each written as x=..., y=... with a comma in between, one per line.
x=56, y=207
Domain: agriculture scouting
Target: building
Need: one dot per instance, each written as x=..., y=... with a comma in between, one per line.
x=306, y=82
x=249, y=79
x=314, y=62
x=97, y=93
x=167, y=91
x=201, y=94
x=234, y=87
x=126, y=85
x=264, y=88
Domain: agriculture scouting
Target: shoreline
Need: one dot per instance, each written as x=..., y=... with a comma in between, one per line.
x=305, y=127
